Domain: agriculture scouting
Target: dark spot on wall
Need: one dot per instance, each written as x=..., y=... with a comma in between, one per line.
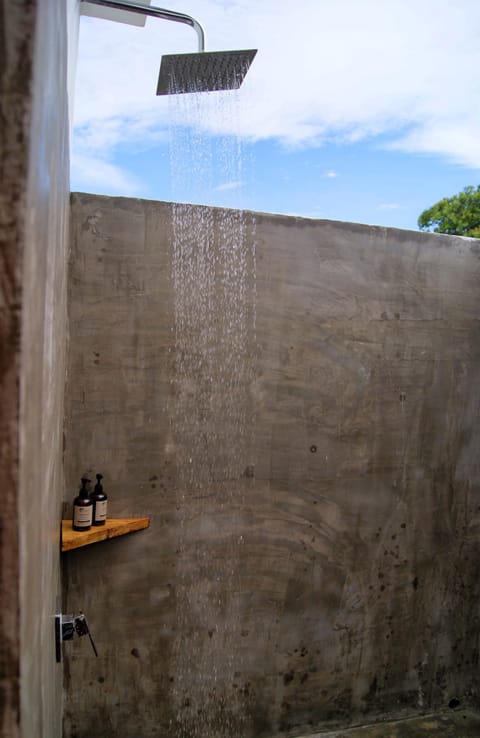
x=135, y=652
x=210, y=633
x=415, y=583
x=372, y=690
x=101, y=679
x=304, y=678
x=454, y=702
x=441, y=677
x=313, y=449
x=344, y=701
x=244, y=633
x=288, y=677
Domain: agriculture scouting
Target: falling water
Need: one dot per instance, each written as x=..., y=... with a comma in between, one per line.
x=213, y=278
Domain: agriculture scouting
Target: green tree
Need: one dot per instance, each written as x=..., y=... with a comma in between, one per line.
x=458, y=215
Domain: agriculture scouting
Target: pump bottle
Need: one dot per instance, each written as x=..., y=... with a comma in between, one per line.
x=82, y=508
x=99, y=500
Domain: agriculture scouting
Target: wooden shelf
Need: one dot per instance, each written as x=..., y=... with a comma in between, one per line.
x=113, y=527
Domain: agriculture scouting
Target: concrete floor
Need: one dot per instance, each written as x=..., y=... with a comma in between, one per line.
x=452, y=724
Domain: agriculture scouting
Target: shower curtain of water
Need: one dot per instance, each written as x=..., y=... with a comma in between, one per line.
x=213, y=280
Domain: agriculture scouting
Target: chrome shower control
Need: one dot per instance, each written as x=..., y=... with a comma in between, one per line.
x=69, y=626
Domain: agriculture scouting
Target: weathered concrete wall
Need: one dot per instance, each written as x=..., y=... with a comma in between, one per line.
x=33, y=226
x=338, y=581
x=42, y=381
x=14, y=102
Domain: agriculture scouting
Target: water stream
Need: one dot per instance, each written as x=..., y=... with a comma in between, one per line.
x=213, y=274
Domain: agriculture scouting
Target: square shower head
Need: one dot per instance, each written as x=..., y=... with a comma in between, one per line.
x=204, y=71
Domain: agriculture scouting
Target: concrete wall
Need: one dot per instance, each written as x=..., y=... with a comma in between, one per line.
x=330, y=574
x=33, y=223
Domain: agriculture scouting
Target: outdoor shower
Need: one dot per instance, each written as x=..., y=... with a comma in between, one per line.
x=199, y=72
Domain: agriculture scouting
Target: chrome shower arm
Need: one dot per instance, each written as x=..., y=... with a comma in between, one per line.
x=155, y=13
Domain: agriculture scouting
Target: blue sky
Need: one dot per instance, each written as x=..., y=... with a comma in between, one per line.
x=364, y=111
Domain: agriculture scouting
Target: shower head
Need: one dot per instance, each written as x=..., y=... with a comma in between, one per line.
x=204, y=71
x=200, y=72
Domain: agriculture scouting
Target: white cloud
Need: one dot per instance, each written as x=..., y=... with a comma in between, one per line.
x=235, y=185
x=342, y=71
x=105, y=177
x=389, y=206
x=457, y=138
x=331, y=174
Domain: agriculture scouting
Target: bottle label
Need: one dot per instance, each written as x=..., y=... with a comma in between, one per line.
x=82, y=516
x=100, y=511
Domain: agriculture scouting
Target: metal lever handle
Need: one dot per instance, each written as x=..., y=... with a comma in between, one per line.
x=81, y=628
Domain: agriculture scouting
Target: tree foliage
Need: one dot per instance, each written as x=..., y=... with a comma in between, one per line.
x=458, y=215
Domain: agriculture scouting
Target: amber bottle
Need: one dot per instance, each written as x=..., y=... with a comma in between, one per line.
x=82, y=508
x=99, y=499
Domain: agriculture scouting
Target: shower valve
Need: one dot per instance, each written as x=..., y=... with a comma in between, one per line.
x=69, y=626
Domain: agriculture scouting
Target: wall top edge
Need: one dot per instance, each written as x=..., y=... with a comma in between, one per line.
x=288, y=219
